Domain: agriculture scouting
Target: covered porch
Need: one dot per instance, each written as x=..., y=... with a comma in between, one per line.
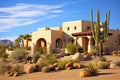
x=87, y=40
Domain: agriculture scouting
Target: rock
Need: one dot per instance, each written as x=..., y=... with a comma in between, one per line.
x=113, y=66
x=15, y=74
x=76, y=65
x=78, y=56
x=69, y=64
x=69, y=68
x=57, y=68
x=52, y=67
x=39, y=60
x=45, y=69
x=36, y=67
x=84, y=73
x=7, y=73
x=28, y=68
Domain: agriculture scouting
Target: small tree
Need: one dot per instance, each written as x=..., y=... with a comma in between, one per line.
x=19, y=54
x=70, y=47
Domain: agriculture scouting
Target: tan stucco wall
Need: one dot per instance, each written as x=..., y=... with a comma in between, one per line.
x=113, y=41
x=51, y=34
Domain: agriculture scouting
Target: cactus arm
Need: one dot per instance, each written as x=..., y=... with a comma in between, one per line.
x=98, y=27
x=92, y=25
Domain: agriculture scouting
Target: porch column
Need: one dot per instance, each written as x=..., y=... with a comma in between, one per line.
x=32, y=49
x=89, y=43
x=48, y=47
x=76, y=43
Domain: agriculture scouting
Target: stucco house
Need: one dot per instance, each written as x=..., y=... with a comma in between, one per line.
x=79, y=32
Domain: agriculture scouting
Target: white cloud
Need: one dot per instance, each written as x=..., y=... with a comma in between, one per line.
x=25, y=14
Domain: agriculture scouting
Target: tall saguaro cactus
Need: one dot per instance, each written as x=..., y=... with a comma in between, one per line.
x=100, y=31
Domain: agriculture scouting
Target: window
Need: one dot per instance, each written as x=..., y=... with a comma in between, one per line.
x=75, y=27
x=68, y=28
x=88, y=28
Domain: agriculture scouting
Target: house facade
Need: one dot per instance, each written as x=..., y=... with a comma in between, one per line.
x=74, y=31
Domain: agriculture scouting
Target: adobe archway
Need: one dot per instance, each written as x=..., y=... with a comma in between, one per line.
x=40, y=43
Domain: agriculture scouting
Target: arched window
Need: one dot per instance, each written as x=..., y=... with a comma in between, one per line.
x=58, y=43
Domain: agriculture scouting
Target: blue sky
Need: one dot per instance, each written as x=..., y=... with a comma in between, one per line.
x=25, y=16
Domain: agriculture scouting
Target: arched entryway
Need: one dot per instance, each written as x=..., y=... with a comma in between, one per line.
x=59, y=43
x=71, y=40
x=40, y=43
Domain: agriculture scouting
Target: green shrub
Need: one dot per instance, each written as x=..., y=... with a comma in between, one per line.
x=50, y=59
x=19, y=54
x=92, y=68
x=61, y=64
x=35, y=57
x=103, y=58
x=103, y=65
x=70, y=47
x=17, y=68
x=3, y=55
x=4, y=68
x=41, y=64
x=80, y=50
x=29, y=48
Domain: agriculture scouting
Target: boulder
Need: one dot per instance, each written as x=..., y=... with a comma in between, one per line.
x=36, y=67
x=69, y=64
x=78, y=56
x=113, y=66
x=7, y=73
x=69, y=68
x=76, y=65
x=84, y=73
x=28, y=68
x=15, y=74
x=57, y=68
x=45, y=69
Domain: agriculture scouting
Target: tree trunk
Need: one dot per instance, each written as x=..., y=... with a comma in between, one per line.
x=101, y=49
x=22, y=44
x=26, y=44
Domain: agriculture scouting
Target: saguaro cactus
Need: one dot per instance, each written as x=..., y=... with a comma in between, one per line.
x=100, y=31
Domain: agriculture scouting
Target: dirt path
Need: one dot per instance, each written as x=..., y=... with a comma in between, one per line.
x=110, y=74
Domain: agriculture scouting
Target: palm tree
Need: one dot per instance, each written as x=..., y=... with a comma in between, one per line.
x=22, y=37
x=17, y=42
x=27, y=37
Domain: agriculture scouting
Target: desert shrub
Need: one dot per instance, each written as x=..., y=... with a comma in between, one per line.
x=61, y=64
x=70, y=47
x=50, y=59
x=52, y=51
x=19, y=54
x=41, y=64
x=29, y=48
x=3, y=55
x=36, y=57
x=103, y=58
x=103, y=65
x=80, y=50
x=17, y=68
x=3, y=47
x=93, y=50
x=92, y=68
x=116, y=52
x=4, y=68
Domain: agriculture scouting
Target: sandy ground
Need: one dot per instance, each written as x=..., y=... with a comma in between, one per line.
x=110, y=74
x=106, y=74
